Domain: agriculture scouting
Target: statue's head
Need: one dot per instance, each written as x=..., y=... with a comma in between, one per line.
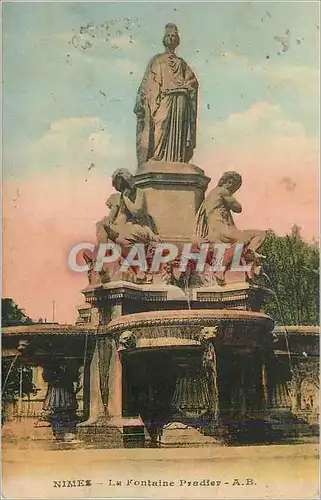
x=171, y=38
x=231, y=180
x=122, y=179
x=208, y=333
x=127, y=340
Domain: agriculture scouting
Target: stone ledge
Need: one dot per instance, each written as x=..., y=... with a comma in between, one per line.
x=190, y=317
x=172, y=181
x=169, y=167
x=41, y=329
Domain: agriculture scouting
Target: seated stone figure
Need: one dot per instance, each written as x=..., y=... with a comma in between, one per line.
x=128, y=221
x=215, y=224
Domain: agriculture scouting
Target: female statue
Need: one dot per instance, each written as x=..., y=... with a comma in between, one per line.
x=166, y=106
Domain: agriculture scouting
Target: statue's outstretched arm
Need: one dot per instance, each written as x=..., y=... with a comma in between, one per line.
x=233, y=204
x=135, y=207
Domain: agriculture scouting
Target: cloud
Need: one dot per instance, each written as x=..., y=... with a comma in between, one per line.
x=232, y=81
x=297, y=74
x=126, y=66
x=278, y=74
x=278, y=163
x=53, y=208
x=279, y=71
x=74, y=143
x=72, y=123
x=260, y=122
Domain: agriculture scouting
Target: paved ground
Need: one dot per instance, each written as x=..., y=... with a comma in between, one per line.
x=274, y=471
x=289, y=471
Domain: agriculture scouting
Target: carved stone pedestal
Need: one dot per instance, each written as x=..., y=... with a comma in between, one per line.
x=174, y=192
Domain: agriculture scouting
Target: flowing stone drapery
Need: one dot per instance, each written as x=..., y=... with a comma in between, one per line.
x=105, y=351
x=196, y=390
x=191, y=396
x=210, y=369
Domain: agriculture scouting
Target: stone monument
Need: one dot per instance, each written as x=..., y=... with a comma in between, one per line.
x=173, y=357
x=209, y=333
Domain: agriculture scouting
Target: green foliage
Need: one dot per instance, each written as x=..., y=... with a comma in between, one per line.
x=12, y=315
x=19, y=381
x=292, y=265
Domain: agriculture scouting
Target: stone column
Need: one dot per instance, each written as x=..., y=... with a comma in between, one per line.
x=115, y=383
x=105, y=396
x=115, y=370
x=96, y=409
x=92, y=375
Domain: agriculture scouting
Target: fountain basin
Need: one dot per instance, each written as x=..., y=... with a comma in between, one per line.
x=184, y=327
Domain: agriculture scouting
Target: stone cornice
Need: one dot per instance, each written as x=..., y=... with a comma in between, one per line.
x=300, y=330
x=170, y=180
x=169, y=167
x=201, y=317
x=118, y=291
x=238, y=295
x=44, y=329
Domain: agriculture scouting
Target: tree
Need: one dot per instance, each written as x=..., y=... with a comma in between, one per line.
x=16, y=378
x=12, y=315
x=292, y=269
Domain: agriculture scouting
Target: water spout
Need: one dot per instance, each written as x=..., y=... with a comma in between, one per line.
x=281, y=316
x=8, y=374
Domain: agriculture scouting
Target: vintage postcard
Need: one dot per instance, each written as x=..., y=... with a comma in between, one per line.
x=160, y=303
